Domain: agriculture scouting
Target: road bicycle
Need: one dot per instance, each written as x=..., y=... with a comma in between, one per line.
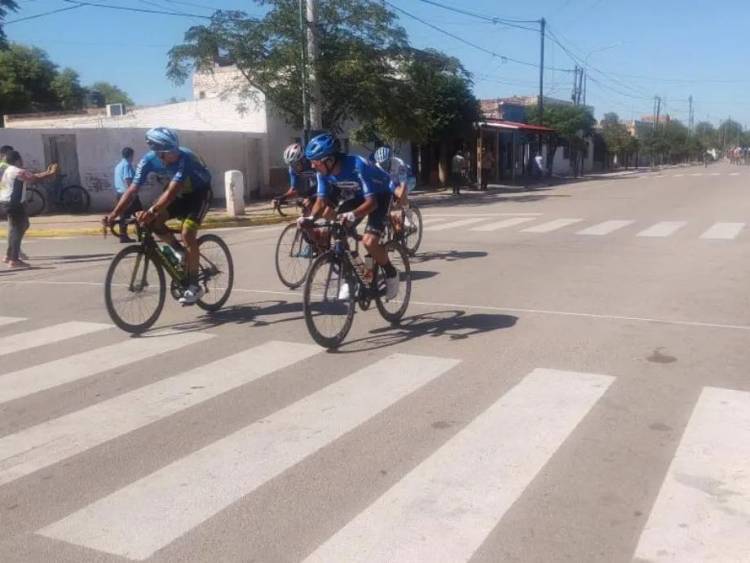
x=71, y=198
x=294, y=249
x=410, y=222
x=328, y=308
x=135, y=287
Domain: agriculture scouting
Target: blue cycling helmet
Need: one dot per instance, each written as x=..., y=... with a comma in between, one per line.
x=383, y=154
x=322, y=146
x=162, y=139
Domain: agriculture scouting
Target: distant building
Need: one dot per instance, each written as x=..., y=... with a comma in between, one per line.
x=515, y=108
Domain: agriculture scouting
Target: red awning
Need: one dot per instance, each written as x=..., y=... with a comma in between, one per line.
x=515, y=126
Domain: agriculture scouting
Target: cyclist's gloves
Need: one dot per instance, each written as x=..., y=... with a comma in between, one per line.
x=348, y=218
x=305, y=222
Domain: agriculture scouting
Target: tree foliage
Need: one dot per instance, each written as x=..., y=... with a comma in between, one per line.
x=6, y=6
x=26, y=76
x=67, y=87
x=358, y=40
x=672, y=143
x=621, y=145
x=112, y=94
x=573, y=125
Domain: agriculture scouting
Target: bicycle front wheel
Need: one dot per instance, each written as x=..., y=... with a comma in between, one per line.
x=75, y=199
x=412, y=229
x=293, y=257
x=35, y=202
x=216, y=272
x=328, y=305
x=134, y=290
x=394, y=309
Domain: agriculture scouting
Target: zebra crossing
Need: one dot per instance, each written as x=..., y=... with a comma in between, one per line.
x=487, y=224
x=442, y=509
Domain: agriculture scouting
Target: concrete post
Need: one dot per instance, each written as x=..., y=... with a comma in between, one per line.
x=234, y=191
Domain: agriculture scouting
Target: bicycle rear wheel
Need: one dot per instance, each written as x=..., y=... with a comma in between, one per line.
x=134, y=290
x=327, y=317
x=75, y=199
x=293, y=257
x=35, y=201
x=393, y=310
x=216, y=272
x=412, y=229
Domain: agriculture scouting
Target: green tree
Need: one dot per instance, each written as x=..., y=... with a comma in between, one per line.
x=729, y=134
x=572, y=125
x=705, y=132
x=359, y=41
x=67, y=87
x=26, y=76
x=616, y=137
x=6, y=6
x=112, y=94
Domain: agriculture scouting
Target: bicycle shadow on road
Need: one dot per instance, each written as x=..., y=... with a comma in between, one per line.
x=453, y=324
x=448, y=256
x=254, y=314
x=75, y=258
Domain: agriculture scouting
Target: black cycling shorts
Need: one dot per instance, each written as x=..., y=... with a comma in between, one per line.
x=375, y=220
x=190, y=208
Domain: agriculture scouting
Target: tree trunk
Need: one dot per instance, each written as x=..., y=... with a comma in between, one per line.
x=444, y=164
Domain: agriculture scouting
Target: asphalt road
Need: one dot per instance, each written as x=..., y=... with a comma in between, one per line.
x=570, y=384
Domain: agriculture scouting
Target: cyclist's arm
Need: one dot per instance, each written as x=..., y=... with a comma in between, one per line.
x=371, y=202
x=168, y=196
x=141, y=173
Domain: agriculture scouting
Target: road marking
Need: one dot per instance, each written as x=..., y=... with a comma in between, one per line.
x=47, y=335
x=678, y=176
x=701, y=512
x=432, y=219
x=605, y=228
x=551, y=226
x=445, y=508
x=697, y=174
x=52, y=441
x=86, y=364
x=10, y=320
x=503, y=224
x=663, y=229
x=455, y=224
x=716, y=174
x=734, y=173
x=147, y=515
x=724, y=231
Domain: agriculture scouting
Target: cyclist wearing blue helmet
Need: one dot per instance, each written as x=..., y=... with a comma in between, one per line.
x=187, y=197
x=360, y=189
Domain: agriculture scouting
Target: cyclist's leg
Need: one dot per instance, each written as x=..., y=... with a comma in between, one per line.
x=374, y=231
x=192, y=211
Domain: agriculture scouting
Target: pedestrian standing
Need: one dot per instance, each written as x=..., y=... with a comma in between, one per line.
x=487, y=163
x=12, y=197
x=124, y=174
x=458, y=165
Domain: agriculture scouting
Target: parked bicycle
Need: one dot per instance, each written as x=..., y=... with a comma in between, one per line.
x=135, y=287
x=44, y=197
x=329, y=307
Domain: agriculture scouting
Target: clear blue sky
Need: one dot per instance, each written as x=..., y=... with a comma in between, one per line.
x=636, y=49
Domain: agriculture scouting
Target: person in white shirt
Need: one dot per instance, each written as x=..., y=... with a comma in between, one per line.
x=12, y=197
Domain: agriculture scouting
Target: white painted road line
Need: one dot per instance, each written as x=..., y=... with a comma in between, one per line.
x=701, y=512
x=47, y=335
x=605, y=228
x=455, y=224
x=663, y=229
x=55, y=440
x=679, y=176
x=432, y=220
x=551, y=226
x=716, y=174
x=147, y=515
x=697, y=174
x=10, y=320
x=723, y=231
x=734, y=174
x=446, y=507
x=24, y=382
x=503, y=224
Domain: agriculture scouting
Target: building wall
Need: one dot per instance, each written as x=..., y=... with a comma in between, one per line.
x=99, y=151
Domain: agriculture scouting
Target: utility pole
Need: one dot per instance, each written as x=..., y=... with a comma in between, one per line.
x=574, y=97
x=658, y=111
x=316, y=111
x=303, y=44
x=542, y=31
x=580, y=86
x=585, y=86
x=691, y=120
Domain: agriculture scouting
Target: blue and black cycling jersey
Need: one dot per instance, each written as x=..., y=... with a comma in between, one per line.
x=304, y=183
x=357, y=178
x=189, y=170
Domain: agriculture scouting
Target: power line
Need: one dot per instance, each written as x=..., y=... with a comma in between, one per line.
x=79, y=3
x=35, y=16
x=490, y=19
x=469, y=43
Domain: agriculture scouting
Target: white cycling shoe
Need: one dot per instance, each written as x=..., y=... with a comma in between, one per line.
x=344, y=292
x=191, y=295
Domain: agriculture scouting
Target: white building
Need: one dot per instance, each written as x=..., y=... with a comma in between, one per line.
x=87, y=144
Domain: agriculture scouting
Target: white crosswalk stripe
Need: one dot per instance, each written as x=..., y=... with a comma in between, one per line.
x=551, y=226
x=724, y=231
x=662, y=229
x=10, y=320
x=52, y=441
x=24, y=382
x=444, y=509
x=47, y=335
x=701, y=513
x=503, y=224
x=454, y=224
x=141, y=518
x=605, y=228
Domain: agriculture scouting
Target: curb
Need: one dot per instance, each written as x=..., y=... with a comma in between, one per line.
x=220, y=222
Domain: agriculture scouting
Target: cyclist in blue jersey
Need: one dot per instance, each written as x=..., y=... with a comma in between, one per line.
x=302, y=180
x=186, y=197
x=362, y=190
